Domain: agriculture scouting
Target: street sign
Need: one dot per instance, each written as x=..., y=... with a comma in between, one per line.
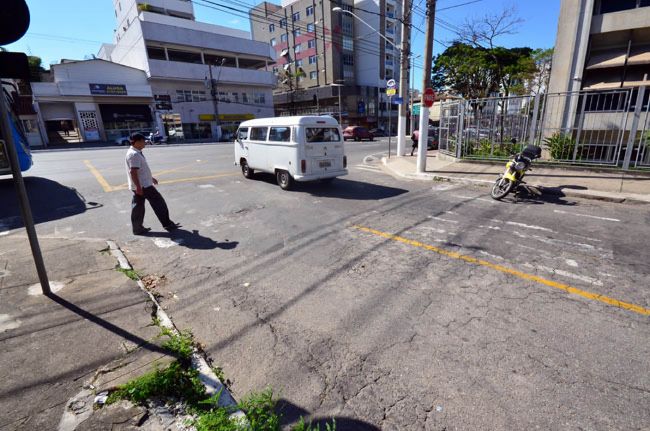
x=397, y=100
x=416, y=109
x=391, y=83
x=429, y=97
x=391, y=92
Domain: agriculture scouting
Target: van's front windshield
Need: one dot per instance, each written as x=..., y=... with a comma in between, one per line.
x=323, y=134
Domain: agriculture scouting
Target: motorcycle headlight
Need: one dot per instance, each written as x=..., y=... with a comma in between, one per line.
x=520, y=166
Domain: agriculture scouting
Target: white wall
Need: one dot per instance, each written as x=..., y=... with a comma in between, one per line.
x=131, y=50
x=97, y=71
x=193, y=25
x=198, y=72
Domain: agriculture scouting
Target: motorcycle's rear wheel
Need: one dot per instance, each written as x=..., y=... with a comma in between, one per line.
x=501, y=188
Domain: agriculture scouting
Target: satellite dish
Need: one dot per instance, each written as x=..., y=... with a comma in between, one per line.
x=14, y=20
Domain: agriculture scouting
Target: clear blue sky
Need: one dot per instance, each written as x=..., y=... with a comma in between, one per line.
x=76, y=28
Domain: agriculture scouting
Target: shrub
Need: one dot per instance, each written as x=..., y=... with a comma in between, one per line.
x=561, y=146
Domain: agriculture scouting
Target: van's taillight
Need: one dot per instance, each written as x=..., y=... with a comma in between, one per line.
x=303, y=166
x=345, y=161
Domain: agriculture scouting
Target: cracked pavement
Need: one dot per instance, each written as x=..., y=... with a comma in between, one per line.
x=283, y=291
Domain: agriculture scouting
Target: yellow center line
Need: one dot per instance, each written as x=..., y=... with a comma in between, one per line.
x=157, y=174
x=98, y=176
x=469, y=259
x=182, y=180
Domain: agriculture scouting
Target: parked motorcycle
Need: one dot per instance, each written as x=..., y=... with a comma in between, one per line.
x=155, y=138
x=515, y=171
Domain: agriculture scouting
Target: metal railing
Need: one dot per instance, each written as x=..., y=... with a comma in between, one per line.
x=606, y=128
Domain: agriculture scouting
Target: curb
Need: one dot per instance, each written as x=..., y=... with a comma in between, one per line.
x=583, y=194
x=210, y=381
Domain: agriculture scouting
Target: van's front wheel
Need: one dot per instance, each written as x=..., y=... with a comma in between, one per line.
x=284, y=180
x=246, y=170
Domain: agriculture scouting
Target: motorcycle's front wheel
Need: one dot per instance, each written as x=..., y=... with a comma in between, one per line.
x=501, y=188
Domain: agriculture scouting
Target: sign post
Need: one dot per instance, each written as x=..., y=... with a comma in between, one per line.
x=391, y=90
x=428, y=98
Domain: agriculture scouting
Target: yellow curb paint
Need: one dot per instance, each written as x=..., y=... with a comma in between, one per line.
x=98, y=176
x=566, y=288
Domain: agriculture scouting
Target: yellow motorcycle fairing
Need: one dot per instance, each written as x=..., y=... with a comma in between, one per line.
x=509, y=175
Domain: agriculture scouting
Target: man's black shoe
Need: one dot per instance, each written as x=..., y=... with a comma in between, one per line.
x=172, y=226
x=142, y=231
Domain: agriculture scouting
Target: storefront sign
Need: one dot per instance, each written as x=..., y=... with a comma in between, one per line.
x=163, y=102
x=108, y=89
x=91, y=134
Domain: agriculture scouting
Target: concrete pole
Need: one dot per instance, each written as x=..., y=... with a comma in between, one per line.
x=426, y=82
x=403, y=76
x=23, y=200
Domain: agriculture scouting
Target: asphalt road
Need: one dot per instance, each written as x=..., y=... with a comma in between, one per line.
x=385, y=303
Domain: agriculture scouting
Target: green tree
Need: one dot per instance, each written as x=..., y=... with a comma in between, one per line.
x=35, y=68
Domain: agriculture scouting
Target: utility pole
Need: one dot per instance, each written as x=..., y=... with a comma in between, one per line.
x=426, y=82
x=215, y=102
x=405, y=51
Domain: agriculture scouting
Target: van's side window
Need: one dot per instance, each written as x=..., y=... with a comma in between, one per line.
x=258, y=133
x=323, y=134
x=280, y=134
x=242, y=134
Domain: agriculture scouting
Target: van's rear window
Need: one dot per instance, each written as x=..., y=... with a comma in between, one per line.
x=323, y=134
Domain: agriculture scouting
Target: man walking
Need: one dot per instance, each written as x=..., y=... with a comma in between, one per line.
x=141, y=183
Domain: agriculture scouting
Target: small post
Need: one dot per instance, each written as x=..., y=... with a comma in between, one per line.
x=23, y=200
x=390, y=115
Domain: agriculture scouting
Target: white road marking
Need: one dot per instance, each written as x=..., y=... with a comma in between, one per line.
x=443, y=219
x=206, y=186
x=7, y=323
x=367, y=168
x=567, y=274
x=512, y=223
x=443, y=187
x=572, y=263
x=587, y=215
x=166, y=242
x=476, y=198
x=35, y=289
x=494, y=256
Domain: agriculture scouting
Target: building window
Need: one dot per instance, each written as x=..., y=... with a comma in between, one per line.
x=297, y=48
x=299, y=63
x=348, y=59
x=259, y=99
x=348, y=73
x=283, y=23
x=311, y=43
x=296, y=32
x=283, y=37
x=235, y=97
x=312, y=59
x=313, y=75
x=271, y=28
x=295, y=16
x=156, y=53
x=273, y=42
x=347, y=25
x=310, y=10
x=244, y=97
x=310, y=28
x=348, y=43
x=223, y=97
x=184, y=56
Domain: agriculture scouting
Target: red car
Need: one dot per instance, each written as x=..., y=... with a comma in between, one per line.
x=357, y=133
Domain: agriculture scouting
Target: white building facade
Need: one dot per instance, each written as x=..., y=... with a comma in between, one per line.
x=179, y=54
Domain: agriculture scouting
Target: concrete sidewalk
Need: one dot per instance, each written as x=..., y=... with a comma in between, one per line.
x=614, y=186
x=52, y=345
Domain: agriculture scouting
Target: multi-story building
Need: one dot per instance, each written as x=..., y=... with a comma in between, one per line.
x=601, y=44
x=180, y=54
x=321, y=52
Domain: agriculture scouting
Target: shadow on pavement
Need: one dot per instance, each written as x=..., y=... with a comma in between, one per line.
x=340, y=188
x=49, y=201
x=192, y=239
x=292, y=413
x=534, y=196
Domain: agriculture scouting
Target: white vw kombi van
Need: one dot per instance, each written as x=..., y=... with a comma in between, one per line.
x=292, y=148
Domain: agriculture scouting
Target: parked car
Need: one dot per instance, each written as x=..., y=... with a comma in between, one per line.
x=432, y=138
x=378, y=133
x=357, y=133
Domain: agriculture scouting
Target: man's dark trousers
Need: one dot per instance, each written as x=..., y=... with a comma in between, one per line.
x=156, y=201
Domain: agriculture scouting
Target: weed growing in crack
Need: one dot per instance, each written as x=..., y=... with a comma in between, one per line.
x=181, y=344
x=131, y=273
x=303, y=426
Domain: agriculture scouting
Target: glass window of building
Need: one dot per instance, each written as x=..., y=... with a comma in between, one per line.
x=297, y=48
x=348, y=43
x=310, y=27
x=296, y=32
x=313, y=75
x=310, y=10
x=259, y=98
x=271, y=28
x=273, y=42
x=283, y=23
x=312, y=59
x=311, y=43
x=283, y=37
x=295, y=16
x=156, y=53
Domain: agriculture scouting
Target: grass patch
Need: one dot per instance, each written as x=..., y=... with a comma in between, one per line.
x=181, y=344
x=304, y=426
x=131, y=273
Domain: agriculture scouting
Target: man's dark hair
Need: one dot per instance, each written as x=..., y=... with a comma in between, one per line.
x=137, y=137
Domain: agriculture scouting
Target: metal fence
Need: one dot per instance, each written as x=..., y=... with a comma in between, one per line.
x=605, y=128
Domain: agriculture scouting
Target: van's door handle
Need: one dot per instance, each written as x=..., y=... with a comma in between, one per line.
x=246, y=148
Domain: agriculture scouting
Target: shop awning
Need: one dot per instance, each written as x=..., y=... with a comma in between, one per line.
x=609, y=58
x=117, y=112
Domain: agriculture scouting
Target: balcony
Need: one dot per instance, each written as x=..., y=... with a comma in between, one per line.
x=198, y=72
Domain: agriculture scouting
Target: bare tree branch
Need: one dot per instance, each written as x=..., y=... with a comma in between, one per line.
x=484, y=31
